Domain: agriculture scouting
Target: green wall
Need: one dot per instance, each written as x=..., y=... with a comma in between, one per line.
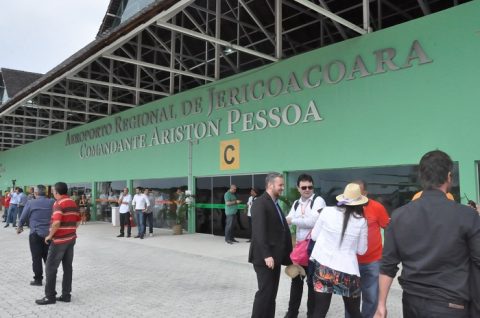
x=389, y=118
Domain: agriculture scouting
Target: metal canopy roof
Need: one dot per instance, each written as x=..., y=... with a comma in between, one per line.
x=173, y=46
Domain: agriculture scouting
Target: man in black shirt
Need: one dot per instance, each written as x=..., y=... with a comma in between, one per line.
x=436, y=240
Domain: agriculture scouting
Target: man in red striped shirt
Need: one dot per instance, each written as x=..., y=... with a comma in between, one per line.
x=62, y=237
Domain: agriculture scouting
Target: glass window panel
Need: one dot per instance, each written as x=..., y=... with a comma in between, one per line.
x=108, y=193
x=164, y=193
x=393, y=186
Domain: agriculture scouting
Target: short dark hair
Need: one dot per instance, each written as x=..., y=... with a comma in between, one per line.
x=61, y=188
x=20, y=190
x=304, y=177
x=434, y=168
x=256, y=191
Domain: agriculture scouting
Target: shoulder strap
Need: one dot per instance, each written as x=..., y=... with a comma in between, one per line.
x=313, y=201
x=295, y=205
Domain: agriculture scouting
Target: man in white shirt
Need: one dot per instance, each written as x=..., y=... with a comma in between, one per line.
x=141, y=203
x=12, y=210
x=125, y=218
x=303, y=214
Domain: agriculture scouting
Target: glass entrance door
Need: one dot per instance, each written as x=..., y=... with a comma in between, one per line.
x=210, y=203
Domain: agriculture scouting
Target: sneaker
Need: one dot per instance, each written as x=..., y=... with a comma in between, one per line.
x=6, y=225
x=120, y=235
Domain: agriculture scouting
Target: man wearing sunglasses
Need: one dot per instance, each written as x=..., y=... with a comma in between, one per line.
x=303, y=214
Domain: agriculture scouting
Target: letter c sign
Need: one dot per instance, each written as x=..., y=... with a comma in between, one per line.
x=230, y=154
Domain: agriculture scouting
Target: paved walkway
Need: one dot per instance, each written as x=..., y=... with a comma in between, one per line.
x=162, y=276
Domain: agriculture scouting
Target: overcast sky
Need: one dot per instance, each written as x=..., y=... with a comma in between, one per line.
x=37, y=35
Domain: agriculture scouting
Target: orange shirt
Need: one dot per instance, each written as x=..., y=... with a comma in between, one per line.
x=377, y=217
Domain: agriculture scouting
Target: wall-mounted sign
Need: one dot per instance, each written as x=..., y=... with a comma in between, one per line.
x=230, y=154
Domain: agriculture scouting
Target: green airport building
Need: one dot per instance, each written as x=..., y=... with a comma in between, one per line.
x=365, y=107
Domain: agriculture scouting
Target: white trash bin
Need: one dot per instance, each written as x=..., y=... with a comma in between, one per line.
x=115, y=216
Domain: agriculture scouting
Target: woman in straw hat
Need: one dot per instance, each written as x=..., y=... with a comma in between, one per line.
x=340, y=234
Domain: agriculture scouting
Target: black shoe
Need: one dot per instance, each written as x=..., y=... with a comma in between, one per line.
x=129, y=235
x=235, y=241
x=45, y=301
x=249, y=241
x=6, y=225
x=64, y=298
x=229, y=242
x=137, y=236
x=120, y=235
x=141, y=237
x=36, y=283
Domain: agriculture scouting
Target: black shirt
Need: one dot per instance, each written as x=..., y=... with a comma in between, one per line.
x=435, y=239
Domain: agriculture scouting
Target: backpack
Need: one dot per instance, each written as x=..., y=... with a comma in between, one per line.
x=296, y=203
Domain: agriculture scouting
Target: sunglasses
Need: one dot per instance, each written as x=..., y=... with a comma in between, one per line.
x=306, y=187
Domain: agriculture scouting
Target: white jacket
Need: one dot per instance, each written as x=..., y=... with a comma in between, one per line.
x=327, y=234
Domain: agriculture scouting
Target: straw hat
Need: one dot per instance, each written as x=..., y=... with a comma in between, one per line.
x=294, y=270
x=352, y=196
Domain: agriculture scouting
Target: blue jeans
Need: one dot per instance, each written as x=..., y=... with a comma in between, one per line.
x=12, y=214
x=139, y=219
x=229, y=227
x=369, y=283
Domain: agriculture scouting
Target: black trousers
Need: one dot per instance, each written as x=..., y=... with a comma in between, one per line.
x=61, y=253
x=296, y=292
x=264, y=303
x=125, y=220
x=322, y=304
x=418, y=307
x=148, y=217
x=39, y=251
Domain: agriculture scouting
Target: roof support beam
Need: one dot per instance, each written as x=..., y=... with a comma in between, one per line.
x=278, y=29
x=40, y=107
x=125, y=87
x=88, y=98
x=30, y=127
x=424, y=6
x=48, y=119
x=331, y=15
x=208, y=38
x=156, y=67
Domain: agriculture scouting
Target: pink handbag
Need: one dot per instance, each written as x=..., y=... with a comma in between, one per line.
x=299, y=255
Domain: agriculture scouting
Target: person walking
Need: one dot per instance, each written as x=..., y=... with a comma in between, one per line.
x=39, y=212
x=303, y=214
x=271, y=245
x=436, y=240
x=340, y=233
x=62, y=238
x=141, y=204
x=369, y=263
x=231, y=207
x=124, y=202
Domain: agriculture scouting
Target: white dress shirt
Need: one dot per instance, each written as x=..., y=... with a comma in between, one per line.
x=140, y=201
x=327, y=234
x=305, y=217
x=125, y=203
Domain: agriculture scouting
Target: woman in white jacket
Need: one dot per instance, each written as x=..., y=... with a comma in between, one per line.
x=340, y=234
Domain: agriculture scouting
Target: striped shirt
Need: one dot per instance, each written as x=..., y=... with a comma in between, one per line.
x=66, y=211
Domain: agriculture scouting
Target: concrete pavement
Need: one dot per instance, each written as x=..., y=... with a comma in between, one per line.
x=191, y=275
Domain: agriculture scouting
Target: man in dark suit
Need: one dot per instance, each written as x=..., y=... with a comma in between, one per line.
x=271, y=245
